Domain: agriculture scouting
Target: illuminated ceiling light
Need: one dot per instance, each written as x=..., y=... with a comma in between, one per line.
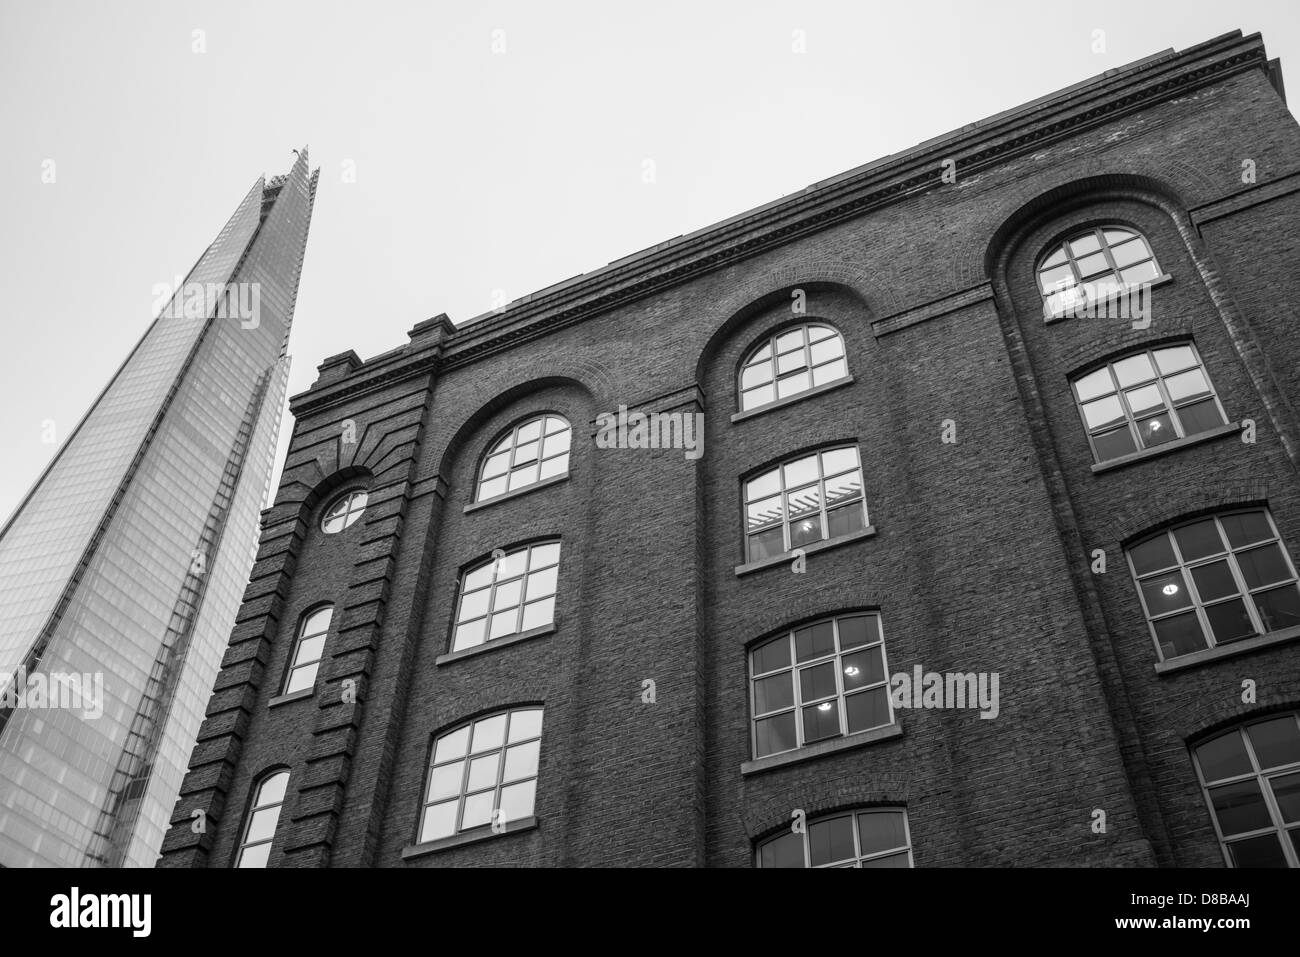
x=824, y=706
x=851, y=670
x=1170, y=589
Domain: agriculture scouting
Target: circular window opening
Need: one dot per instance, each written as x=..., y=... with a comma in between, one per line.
x=347, y=508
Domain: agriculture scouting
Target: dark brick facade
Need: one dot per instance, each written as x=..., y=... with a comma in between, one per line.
x=982, y=550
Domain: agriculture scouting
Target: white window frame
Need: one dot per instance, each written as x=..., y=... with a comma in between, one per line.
x=509, y=444
x=254, y=807
x=768, y=345
x=349, y=506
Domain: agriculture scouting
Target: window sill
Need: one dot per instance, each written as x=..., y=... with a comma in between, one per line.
x=1161, y=280
x=808, y=549
x=1231, y=650
x=495, y=643
x=294, y=696
x=412, y=851
x=536, y=486
x=822, y=748
x=790, y=400
x=1216, y=433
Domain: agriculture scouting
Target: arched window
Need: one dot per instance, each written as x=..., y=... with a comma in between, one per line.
x=531, y=452
x=1146, y=399
x=876, y=837
x=808, y=499
x=344, y=510
x=1250, y=777
x=482, y=773
x=1094, y=264
x=308, y=649
x=509, y=594
x=819, y=681
x=1215, y=580
x=263, y=816
x=792, y=361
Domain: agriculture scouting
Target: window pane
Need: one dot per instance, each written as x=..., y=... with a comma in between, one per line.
x=445, y=780
x=524, y=476
x=1050, y=279
x=863, y=668
x=826, y=350
x=544, y=555
x=889, y=860
x=753, y=398
x=255, y=856
x=1103, y=412
x=1262, y=851
x=1229, y=620
x=521, y=761
x=1153, y=555
x=555, y=423
x=1286, y=791
x=772, y=655
x=881, y=831
x=478, y=810
x=1279, y=608
x=1174, y=359
x=803, y=502
x=821, y=721
x=1111, y=445
x=1179, y=635
x=756, y=375
x=309, y=650
x=773, y=693
x=858, y=630
x=539, y=613
x=1187, y=384
x=814, y=641
x=1094, y=384
x=762, y=354
x=837, y=461
x=1093, y=265
x=769, y=483
x=845, y=520
x=1088, y=243
x=557, y=443
x=1166, y=592
x=1115, y=235
x=774, y=735
x=792, y=385
x=542, y=584
x=261, y=825
x=818, y=333
x=1129, y=253
x=301, y=678
x=1244, y=528
x=1156, y=430
x=1276, y=742
x=496, y=465
x=831, y=841
x=439, y=821
x=517, y=801
x=817, y=682
x=867, y=709
x=843, y=487
x=1199, y=540
x=525, y=724
x=806, y=531
x=830, y=372
x=504, y=623
x=470, y=635
x=480, y=577
x=527, y=451
x=763, y=512
x=489, y=733
x=801, y=471
x=784, y=851
x=493, y=488
x=553, y=467
x=1134, y=370
x=451, y=745
x=1223, y=757
x=1200, y=417
x=507, y=594
x=474, y=605
x=1239, y=807
x=1144, y=399
x=1214, y=581
x=483, y=772
x=1055, y=259
x=766, y=544
x=1138, y=274
x=1263, y=566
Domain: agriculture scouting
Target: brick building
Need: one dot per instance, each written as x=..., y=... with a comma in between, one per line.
x=476, y=635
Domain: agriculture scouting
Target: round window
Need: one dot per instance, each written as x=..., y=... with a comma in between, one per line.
x=347, y=508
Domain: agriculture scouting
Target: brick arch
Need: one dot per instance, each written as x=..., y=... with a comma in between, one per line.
x=493, y=402
x=1200, y=719
x=760, y=293
x=1135, y=522
x=766, y=818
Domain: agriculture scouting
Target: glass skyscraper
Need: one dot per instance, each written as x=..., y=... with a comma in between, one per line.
x=122, y=570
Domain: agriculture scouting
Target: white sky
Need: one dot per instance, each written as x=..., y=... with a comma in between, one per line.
x=475, y=171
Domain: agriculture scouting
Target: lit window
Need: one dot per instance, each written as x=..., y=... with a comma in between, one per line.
x=1145, y=400
x=1250, y=777
x=792, y=361
x=482, y=773
x=817, y=682
x=874, y=838
x=812, y=498
x=1215, y=580
x=347, y=508
x=511, y=593
x=259, y=831
x=307, y=650
x=1096, y=264
x=531, y=452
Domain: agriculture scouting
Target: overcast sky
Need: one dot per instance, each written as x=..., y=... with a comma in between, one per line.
x=477, y=168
